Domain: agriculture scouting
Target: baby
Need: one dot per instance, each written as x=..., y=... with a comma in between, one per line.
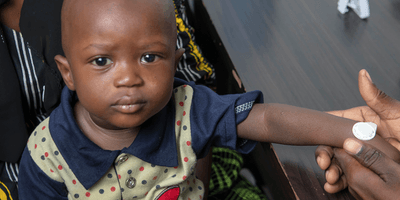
x=126, y=129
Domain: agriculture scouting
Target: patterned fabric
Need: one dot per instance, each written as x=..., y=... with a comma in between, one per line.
x=225, y=182
x=8, y=181
x=193, y=66
x=226, y=165
x=30, y=71
x=242, y=189
x=130, y=176
x=64, y=164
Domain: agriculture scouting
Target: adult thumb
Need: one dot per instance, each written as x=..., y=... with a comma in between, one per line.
x=362, y=181
x=370, y=174
x=368, y=156
x=376, y=99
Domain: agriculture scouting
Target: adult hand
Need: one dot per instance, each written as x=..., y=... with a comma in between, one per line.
x=369, y=173
x=336, y=181
x=381, y=109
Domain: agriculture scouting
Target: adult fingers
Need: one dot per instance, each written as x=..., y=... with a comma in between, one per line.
x=335, y=182
x=385, y=106
x=340, y=185
x=367, y=155
x=323, y=156
x=354, y=194
x=363, y=183
x=394, y=142
x=333, y=173
x=370, y=173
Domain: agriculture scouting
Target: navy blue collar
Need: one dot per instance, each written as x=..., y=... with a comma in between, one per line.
x=155, y=143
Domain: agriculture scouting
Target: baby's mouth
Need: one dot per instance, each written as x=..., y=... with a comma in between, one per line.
x=129, y=108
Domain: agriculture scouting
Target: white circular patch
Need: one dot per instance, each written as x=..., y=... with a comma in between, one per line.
x=364, y=130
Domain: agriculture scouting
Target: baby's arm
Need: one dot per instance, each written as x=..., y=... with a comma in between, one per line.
x=284, y=124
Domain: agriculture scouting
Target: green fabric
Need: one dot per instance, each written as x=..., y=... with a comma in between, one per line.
x=244, y=190
x=225, y=181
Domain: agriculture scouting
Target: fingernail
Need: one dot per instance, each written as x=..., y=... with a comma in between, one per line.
x=369, y=77
x=352, y=146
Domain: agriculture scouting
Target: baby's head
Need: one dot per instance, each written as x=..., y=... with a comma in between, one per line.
x=120, y=59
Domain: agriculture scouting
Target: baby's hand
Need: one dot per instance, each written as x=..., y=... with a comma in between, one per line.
x=335, y=181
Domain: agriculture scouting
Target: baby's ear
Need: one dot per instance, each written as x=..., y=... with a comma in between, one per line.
x=178, y=55
x=65, y=70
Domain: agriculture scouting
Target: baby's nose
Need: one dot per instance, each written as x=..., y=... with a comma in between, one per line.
x=128, y=76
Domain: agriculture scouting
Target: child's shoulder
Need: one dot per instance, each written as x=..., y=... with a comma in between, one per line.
x=40, y=135
x=44, y=151
x=41, y=144
x=191, y=88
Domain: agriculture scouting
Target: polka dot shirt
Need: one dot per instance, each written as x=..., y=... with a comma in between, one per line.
x=61, y=163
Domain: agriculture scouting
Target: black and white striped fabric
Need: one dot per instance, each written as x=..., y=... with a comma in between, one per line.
x=30, y=71
x=12, y=171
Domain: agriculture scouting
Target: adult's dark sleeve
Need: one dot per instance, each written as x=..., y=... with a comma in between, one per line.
x=13, y=133
x=40, y=24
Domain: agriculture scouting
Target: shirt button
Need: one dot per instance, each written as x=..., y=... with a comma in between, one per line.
x=123, y=158
x=130, y=182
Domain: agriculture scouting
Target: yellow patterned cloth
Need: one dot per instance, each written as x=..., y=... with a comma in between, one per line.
x=193, y=66
x=5, y=193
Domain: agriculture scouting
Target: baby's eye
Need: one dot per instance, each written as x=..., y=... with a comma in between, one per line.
x=102, y=61
x=148, y=58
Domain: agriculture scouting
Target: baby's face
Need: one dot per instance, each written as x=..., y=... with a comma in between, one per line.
x=123, y=59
